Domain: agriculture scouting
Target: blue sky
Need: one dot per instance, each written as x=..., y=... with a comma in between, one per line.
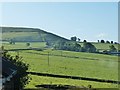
x=86, y=20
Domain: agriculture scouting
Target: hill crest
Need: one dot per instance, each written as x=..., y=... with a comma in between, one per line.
x=28, y=34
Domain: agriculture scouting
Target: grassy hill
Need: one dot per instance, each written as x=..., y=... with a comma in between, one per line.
x=19, y=34
x=61, y=62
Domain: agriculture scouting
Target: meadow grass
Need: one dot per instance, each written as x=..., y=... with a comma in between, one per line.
x=105, y=67
x=86, y=65
x=10, y=35
x=103, y=46
x=39, y=80
x=22, y=45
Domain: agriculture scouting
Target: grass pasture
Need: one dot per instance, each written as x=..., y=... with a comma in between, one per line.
x=103, y=46
x=65, y=63
x=22, y=45
x=40, y=80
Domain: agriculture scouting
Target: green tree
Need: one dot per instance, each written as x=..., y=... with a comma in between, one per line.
x=78, y=39
x=27, y=44
x=111, y=42
x=12, y=41
x=107, y=42
x=21, y=78
x=116, y=43
x=112, y=48
x=77, y=47
x=70, y=46
x=73, y=38
x=102, y=41
x=88, y=47
x=2, y=48
x=98, y=41
x=85, y=41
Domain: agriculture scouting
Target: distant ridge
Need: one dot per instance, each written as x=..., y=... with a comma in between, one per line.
x=22, y=34
x=19, y=29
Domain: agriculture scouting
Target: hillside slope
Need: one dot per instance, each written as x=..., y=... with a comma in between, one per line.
x=19, y=34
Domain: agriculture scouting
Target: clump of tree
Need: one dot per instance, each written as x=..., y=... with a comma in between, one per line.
x=84, y=41
x=27, y=44
x=11, y=41
x=50, y=44
x=78, y=39
x=73, y=38
x=107, y=41
x=88, y=47
x=111, y=42
x=70, y=46
x=98, y=41
x=102, y=41
x=21, y=78
x=116, y=43
x=112, y=48
x=74, y=46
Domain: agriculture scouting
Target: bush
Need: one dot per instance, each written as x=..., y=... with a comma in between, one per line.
x=27, y=44
x=70, y=46
x=107, y=42
x=102, y=41
x=21, y=78
x=88, y=47
x=112, y=48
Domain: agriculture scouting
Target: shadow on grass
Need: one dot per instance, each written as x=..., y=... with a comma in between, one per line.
x=61, y=87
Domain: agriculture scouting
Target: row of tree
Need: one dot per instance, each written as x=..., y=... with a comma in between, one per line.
x=103, y=41
x=112, y=49
x=99, y=41
x=74, y=46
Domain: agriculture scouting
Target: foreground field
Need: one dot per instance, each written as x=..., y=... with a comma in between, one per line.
x=102, y=66
x=40, y=80
x=68, y=63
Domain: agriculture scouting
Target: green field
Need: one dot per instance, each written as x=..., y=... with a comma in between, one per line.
x=22, y=45
x=103, y=46
x=87, y=65
x=39, y=80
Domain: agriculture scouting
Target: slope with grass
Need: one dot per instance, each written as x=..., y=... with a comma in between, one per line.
x=103, y=46
x=62, y=62
x=19, y=34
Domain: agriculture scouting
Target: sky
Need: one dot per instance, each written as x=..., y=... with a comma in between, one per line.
x=87, y=20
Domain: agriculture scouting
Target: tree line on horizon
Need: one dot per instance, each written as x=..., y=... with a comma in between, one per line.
x=74, y=38
x=74, y=45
